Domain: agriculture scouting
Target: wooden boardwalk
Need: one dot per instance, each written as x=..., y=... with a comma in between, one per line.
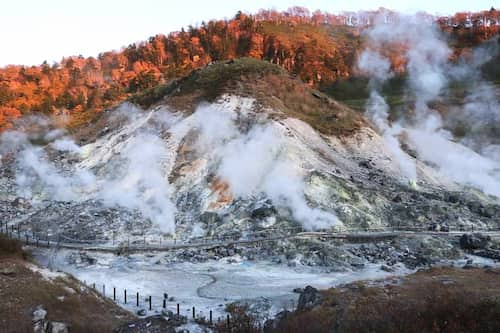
x=207, y=243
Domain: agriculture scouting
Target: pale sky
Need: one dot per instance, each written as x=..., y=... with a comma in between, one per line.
x=32, y=31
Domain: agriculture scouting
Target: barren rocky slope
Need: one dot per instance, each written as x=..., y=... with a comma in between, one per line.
x=238, y=164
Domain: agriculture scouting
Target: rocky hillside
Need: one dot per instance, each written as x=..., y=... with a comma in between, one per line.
x=263, y=151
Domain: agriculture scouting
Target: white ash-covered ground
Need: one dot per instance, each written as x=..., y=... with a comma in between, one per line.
x=229, y=170
x=225, y=169
x=207, y=286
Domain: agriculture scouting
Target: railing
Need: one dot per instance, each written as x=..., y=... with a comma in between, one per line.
x=133, y=299
x=31, y=237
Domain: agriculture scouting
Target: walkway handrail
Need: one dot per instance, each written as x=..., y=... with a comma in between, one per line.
x=63, y=241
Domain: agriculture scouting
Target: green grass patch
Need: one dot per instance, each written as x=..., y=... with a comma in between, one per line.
x=209, y=81
x=214, y=78
x=355, y=91
x=148, y=97
x=268, y=83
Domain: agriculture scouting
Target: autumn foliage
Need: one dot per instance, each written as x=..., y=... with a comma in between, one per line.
x=317, y=47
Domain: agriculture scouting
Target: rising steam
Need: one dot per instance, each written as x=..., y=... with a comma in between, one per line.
x=257, y=161
x=472, y=159
x=129, y=166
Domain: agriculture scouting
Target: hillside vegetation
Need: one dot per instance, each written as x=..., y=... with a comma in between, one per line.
x=440, y=299
x=271, y=85
x=318, y=47
x=437, y=300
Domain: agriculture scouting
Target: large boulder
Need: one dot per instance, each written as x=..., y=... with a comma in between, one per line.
x=39, y=314
x=58, y=327
x=210, y=218
x=40, y=324
x=474, y=241
x=309, y=298
x=263, y=212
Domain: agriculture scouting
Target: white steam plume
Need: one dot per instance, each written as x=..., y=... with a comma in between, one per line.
x=37, y=172
x=129, y=166
x=257, y=162
x=378, y=68
x=428, y=72
x=137, y=181
x=141, y=183
x=67, y=145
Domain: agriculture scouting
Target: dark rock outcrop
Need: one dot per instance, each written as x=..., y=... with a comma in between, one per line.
x=210, y=218
x=263, y=212
x=488, y=253
x=309, y=298
x=474, y=241
x=42, y=325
